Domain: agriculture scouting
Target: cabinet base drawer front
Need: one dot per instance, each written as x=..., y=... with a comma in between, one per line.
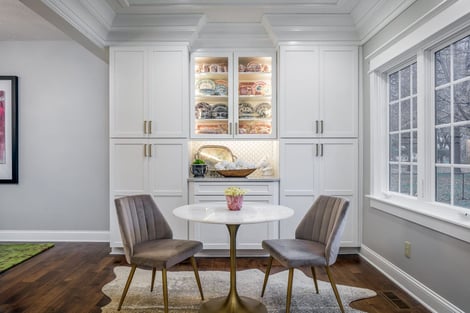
x=218, y=188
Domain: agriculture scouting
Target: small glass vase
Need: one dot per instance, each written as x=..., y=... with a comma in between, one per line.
x=234, y=203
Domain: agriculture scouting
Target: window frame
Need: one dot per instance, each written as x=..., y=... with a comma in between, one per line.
x=423, y=209
x=397, y=69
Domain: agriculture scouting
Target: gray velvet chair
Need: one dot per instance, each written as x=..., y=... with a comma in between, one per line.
x=148, y=242
x=316, y=243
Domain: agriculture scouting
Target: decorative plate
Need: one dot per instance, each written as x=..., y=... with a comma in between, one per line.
x=246, y=110
x=221, y=88
x=206, y=86
x=263, y=110
x=213, y=154
x=253, y=67
x=203, y=111
x=220, y=111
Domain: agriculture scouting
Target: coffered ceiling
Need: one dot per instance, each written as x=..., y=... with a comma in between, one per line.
x=216, y=23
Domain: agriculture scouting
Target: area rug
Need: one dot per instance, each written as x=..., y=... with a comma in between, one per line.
x=14, y=254
x=184, y=295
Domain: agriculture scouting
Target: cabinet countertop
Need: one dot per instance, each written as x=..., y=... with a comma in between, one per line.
x=234, y=179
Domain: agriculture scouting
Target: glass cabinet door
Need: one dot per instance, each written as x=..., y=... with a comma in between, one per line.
x=254, y=101
x=232, y=95
x=212, y=94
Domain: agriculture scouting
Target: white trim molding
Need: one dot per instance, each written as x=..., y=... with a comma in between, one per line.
x=427, y=297
x=54, y=235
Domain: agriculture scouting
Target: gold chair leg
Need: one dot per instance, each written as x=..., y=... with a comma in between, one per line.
x=289, y=289
x=196, y=274
x=266, y=275
x=314, y=275
x=128, y=283
x=153, y=279
x=165, y=290
x=335, y=290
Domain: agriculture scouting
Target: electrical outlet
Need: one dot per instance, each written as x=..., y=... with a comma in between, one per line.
x=408, y=249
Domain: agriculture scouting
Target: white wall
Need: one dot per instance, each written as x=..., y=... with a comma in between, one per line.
x=63, y=142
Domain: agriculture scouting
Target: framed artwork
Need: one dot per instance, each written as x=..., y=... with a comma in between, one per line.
x=8, y=129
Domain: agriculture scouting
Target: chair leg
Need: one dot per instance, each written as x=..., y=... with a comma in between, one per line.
x=335, y=290
x=165, y=291
x=128, y=283
x=196, y=274
x=289, y=289
x=314, y=275
x=266, y=275
x=153, y=279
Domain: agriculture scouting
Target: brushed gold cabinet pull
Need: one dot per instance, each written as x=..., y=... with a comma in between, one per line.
x=150, y=150
x=229, y=128
x=316, y=153
x=145, y=127
x=236, y=128
x=321, y=154
x=145, y=151
x=316, y=126
x=150, y=128
x=321, y=126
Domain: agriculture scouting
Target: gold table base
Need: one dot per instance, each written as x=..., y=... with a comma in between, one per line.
x=233, y=303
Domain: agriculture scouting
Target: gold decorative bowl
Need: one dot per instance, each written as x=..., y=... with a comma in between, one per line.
x=236, y=173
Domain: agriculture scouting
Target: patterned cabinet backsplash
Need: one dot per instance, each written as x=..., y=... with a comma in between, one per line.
x=256, y=152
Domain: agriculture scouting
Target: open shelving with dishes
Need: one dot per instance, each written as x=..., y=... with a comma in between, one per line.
x=232, y=95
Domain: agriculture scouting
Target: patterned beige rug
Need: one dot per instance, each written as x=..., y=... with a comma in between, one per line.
x=184, y=295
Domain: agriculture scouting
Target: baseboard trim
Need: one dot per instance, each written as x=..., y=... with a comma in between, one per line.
x=427, y=297
x=54, y=236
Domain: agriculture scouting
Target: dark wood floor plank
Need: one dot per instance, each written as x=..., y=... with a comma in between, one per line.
x=69, y=278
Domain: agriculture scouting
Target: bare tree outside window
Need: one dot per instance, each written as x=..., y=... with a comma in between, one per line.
x=452, y=123
x=403, y=131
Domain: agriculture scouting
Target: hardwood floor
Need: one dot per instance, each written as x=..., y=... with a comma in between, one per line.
x=69, y=278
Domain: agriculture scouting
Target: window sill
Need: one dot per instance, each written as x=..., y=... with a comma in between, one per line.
x=450, y=221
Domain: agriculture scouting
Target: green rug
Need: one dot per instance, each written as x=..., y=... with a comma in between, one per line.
x=13, y=254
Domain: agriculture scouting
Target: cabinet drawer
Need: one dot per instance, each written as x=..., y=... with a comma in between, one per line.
x=252, y=188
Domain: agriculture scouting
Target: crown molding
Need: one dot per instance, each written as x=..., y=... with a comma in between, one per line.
x=371, y=16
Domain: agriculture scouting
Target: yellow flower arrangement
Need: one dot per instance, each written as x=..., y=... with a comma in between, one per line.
x=234, y=191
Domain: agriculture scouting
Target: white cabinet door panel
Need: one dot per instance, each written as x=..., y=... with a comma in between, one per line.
x=339, y=91
x=127, y=96
x=128, y=167
x=299, y=91
x=169, y=93
x=297, y=169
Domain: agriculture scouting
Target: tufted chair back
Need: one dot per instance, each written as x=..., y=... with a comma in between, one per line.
x=324, y=223
x=140, y=220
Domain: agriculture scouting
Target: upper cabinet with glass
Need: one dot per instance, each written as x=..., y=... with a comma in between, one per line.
x=233, y=95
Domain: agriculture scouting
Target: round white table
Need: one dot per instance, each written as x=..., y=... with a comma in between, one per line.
x=218, y=213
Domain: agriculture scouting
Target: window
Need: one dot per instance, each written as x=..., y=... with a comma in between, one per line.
x=403, y=131
x=452, y=123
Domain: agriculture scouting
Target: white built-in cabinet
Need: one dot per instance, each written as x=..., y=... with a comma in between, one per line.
x=318, y=92
x=149, y=129
x=249, y=237
x=318, y=113
x=233, y=95
x=149, y=92
x=311, y=167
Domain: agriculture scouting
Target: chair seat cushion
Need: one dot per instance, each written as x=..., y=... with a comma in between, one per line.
x=164, y=253
x=296, y=252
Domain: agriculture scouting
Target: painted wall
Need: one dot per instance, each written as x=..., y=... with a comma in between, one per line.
x=438, y=261
x=63, y=138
